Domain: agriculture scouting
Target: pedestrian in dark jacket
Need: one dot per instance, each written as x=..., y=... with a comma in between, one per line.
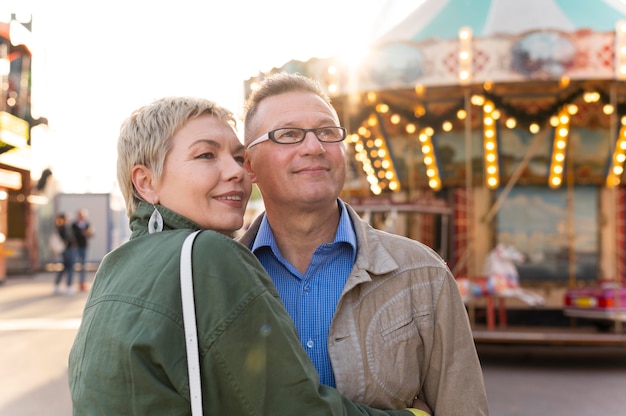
x=83, y=231
x=63, y=229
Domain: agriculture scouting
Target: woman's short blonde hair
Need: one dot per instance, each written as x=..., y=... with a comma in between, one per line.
x=145, y=137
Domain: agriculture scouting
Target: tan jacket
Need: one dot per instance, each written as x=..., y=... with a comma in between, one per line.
x=401, y=329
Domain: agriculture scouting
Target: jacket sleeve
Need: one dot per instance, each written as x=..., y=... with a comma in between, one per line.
x=252, y=360
x=454, y=383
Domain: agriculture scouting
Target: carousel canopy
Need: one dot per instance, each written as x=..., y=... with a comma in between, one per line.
x=527, y=74
x=443, y=18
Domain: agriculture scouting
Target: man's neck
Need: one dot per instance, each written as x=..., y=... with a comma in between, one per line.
x=298, y=233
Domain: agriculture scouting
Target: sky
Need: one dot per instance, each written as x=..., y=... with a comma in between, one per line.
x=95, y=62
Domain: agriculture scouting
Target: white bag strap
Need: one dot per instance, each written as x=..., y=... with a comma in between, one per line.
x=189, y=320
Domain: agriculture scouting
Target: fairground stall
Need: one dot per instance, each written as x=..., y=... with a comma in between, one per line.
x=18, y=195
x=475, y=124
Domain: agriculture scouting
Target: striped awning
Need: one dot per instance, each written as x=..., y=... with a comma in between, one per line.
x=442, y=19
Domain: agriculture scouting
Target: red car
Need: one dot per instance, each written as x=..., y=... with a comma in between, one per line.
x=602, y=304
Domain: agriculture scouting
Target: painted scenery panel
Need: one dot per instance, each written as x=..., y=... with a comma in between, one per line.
x=451, y=153
x=536, y=221
x=408, y=160
x=588, y=150
x=515, y=143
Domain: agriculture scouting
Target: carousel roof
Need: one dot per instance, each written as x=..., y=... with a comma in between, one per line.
x=533, y=63
x=443, y=18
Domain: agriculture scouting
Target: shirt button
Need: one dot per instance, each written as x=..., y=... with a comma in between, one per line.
x=307, y=288
x=310, y=343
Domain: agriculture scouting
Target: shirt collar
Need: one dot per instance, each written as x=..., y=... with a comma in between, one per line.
x=345, y=232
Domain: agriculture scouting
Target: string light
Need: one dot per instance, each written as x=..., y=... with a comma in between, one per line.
x=380, y=180
x=617, y=160
x=490, y=146
x=430, y=160
x=559, y=149
x=465, y=55
x=372, y=152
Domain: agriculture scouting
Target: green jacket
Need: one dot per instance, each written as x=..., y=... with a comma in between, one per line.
x=129, y=358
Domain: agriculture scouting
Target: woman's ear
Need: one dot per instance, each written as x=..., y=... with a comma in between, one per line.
x=144, y=183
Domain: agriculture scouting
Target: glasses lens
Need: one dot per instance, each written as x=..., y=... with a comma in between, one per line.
x=294, y=135
x=288, y=135
x=330, y=134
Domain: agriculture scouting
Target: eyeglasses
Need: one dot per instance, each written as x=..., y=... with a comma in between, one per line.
x=292, y=135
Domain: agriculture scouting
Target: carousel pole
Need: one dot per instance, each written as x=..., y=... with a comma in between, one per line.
x=570, y=218
x=620, y=64
x=617, y=298
x=468, y=204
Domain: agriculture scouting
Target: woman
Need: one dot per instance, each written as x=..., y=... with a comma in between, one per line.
x=180, y=169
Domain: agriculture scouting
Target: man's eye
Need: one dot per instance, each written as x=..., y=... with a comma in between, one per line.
x=240, y=159
x=207, y=155
x=288, y=134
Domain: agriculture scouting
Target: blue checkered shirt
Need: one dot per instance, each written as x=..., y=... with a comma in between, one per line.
x=311, y=298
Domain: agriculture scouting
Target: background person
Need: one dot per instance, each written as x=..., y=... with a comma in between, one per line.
x=83, y=231
x=401, y=330
x=180, y=169
x=64, y=230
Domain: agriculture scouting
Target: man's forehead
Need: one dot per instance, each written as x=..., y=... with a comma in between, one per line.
x=294, y=107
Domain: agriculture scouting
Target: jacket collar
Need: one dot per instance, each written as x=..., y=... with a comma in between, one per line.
x=171, y=220
x=372, y=255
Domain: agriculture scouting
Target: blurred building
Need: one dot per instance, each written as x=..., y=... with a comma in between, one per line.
x=18, y=242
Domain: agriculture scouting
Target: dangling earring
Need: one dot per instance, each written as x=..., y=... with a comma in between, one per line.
x=155, y=224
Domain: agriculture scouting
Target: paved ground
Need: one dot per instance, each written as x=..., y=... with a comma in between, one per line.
x=554, y=380
x=37, y=329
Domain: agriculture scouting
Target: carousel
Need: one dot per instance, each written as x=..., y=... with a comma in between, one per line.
x=474, y=124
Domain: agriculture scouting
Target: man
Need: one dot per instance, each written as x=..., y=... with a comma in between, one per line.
x=67, y=249
x=82, y=233
x=379, y=314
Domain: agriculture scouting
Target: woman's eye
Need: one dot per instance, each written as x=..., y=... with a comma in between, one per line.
x=239, y=159
x=207, y=155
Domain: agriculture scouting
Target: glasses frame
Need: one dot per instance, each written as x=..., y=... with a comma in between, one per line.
x=270, y=135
